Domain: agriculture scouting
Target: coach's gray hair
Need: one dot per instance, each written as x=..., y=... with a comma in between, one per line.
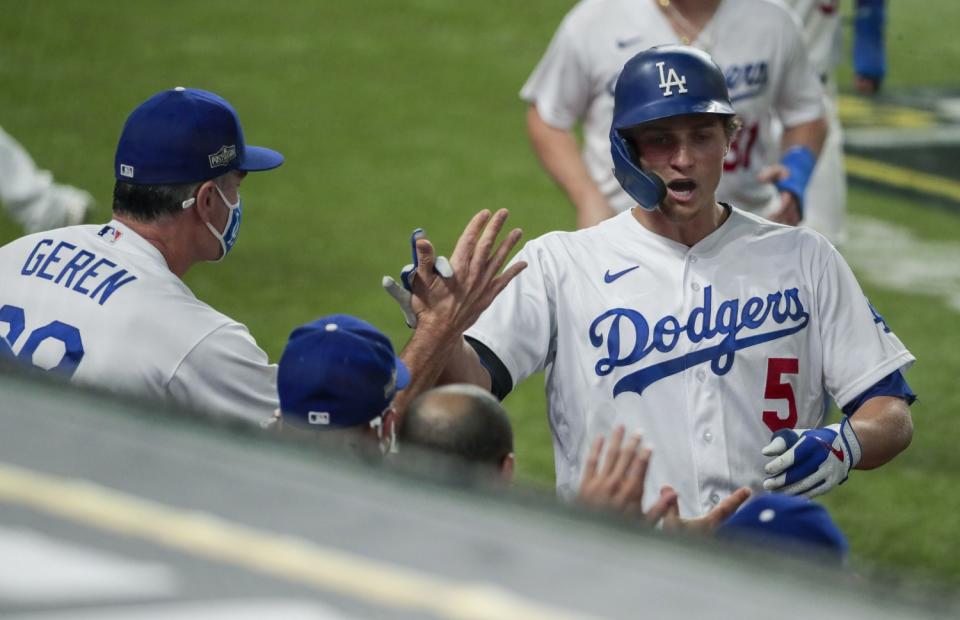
x=147, y=203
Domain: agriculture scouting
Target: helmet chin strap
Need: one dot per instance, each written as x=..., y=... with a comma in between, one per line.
x=646, y=187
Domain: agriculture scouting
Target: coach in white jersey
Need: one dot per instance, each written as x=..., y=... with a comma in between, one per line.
x=719, y=333
x=760, y=47
x=105, y=305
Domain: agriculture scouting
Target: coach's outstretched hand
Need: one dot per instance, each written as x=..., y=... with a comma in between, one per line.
x=452, y=304
x=710, y=521
x=618, y=484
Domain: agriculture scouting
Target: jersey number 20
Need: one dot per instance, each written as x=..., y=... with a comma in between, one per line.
x=69, y=335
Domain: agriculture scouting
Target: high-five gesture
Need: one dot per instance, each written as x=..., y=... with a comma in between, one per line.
x=452, y=304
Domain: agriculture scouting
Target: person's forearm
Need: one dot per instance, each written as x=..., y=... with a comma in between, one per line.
x=811, y=134
x=436, y=355
x=884, y=428
x=559, y=155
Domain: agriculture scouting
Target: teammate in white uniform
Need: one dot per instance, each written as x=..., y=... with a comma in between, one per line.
x=30, y=194
x=105, y=305
x=717, y=332
x=759, y=45
x=827, y=192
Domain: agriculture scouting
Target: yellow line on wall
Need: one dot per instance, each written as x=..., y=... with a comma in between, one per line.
x=293, y=559
x=905, y=178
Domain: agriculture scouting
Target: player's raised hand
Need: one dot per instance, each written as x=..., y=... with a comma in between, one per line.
x=454, y=303
x=402, y=294
x=810, y=462
x=618, y=484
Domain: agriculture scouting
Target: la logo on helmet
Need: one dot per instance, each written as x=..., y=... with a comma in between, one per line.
x=671, y=79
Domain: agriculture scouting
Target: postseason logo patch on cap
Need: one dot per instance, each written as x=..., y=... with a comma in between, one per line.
x=224, y=156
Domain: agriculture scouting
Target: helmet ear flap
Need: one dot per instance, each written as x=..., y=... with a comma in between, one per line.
x=647, y=188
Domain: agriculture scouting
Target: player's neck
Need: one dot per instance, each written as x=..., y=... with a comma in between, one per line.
x=162, y=234
x=690, y=231
x=688, y=17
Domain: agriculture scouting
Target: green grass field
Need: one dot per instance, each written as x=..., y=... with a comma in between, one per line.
x=397, y=114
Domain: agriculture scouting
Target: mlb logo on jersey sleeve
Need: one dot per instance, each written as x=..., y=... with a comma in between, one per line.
x=671, y=79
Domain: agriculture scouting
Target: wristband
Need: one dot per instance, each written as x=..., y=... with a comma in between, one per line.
x=799, y=162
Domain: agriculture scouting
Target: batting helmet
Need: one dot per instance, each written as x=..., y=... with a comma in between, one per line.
x=663, y=81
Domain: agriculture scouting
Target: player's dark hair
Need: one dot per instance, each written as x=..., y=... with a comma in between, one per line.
x=460, y=420
x=147, y=203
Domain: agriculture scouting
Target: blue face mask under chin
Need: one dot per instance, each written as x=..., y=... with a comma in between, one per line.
x=228, y=238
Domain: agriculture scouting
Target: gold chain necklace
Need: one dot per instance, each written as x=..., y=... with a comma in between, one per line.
x=686, y=32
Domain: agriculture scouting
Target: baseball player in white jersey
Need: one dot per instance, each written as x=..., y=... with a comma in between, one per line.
x=717, y=332
x=760, y=47
x=31, y=196
x=827, y=192
x=105, y=305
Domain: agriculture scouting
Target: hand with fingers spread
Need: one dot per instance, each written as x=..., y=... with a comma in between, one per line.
x=810, y=462
x=710, y=521
x=618, y=484
x=453, y=303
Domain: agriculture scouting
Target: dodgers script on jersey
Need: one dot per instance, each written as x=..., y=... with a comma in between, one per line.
x=757, y=43
x=707, y=349
x=98, y=304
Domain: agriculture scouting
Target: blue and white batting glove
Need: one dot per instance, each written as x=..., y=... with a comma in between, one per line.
x=810, y=462
x=402, y=295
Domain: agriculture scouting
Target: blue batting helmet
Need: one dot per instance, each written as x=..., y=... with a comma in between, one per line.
x=663, y=81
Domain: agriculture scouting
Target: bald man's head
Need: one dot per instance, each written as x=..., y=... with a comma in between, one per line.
x=460, y=420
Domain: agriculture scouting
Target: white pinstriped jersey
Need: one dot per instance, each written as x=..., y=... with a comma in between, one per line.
x=708, y=348
x=98, y=304
x=757, y=43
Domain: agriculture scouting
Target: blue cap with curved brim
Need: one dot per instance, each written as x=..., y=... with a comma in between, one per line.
x=186, y=135
x=337, y=372
x=786, y=521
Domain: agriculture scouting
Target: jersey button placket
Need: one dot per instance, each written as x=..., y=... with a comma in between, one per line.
x=695, y=380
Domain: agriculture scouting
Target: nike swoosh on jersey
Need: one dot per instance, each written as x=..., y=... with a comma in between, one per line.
x=610, y=277
x=622, y=43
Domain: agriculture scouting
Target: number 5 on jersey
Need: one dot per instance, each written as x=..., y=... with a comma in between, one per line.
x=779, y=388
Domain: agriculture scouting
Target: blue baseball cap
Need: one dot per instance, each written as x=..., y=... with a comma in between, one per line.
x=185, y=135
x=336, y=372
x=789, y=521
